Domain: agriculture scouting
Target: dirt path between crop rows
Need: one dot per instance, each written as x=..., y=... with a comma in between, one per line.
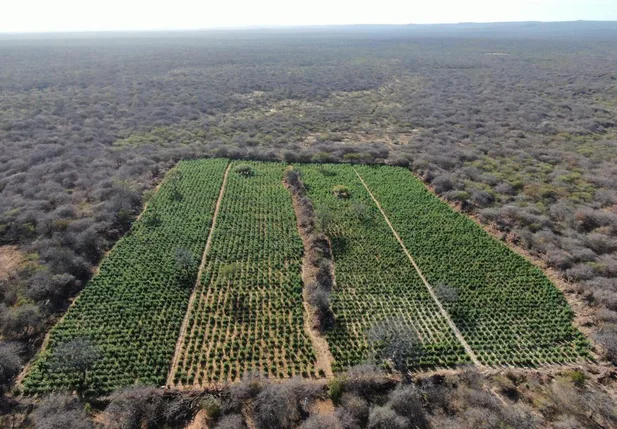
x=442, y=310
x=178, y=351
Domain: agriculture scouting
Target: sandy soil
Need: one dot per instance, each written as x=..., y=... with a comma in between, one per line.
x=10, y=260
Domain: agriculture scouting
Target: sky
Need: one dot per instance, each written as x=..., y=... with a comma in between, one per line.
x=104, y=15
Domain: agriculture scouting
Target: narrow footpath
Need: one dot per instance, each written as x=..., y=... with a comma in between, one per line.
x=174, y=363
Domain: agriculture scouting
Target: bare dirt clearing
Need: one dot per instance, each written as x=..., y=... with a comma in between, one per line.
x=10, y=260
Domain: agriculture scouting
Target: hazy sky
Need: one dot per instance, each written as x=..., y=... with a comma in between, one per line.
x=87, y=15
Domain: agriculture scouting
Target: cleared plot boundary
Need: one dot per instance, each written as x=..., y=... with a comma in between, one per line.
x=174, y=362
x=442, y=310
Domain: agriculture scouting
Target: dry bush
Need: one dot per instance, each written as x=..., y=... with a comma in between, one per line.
x=568, y=423
x=470, y=376
x=10, y=363
x=356, y=407
x=406, y=401
x=60, y=411
x=179, y=411
x=481, y=418
x=588, y=405
x=275, y=407
x=236, y=395
x=386, y=418
x=134, y=408
x=366, y=381
x=305, y=390
x=346, y=420
x=438, y=396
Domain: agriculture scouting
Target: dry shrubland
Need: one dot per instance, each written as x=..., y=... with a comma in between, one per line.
x=525, y=141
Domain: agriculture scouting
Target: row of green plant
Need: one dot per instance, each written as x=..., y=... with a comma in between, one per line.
x=504, y=306
x=248, y=314
x=374, y=280
x=129, y=315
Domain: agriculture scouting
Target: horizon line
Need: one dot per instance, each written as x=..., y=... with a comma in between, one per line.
x=291, y=27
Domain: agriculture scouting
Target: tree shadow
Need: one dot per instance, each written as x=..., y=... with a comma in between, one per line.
x=339, y=245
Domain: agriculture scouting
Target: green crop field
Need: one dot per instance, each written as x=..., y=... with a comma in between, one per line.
x=156, y=311
x=248, y=314
x=506, y=308
x=375, y=283
x=133, y=308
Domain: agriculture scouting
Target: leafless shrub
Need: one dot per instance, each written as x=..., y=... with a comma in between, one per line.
x=21, y=322
x=587, y=219
x=395, y=341
x=10, y=363
x=346, y=420
x=275, y=407
x=305, y=392
x=470, y=376
x=442, y=184
x=591, y=406
x=407, y=402
x=356, y=407
x=76, y=357
x=60, y=411
x=438, y=396
x=134, y=408
x=481, y=418
x=559, y=259
x=607, y=298
x=482, y=198
x=446, y=293
x=237, y=394
x=179, y=411
x=580, y=272
x=607, y=316
x=366, y=380
x=601, y=243
x=569, y=423
x=607, y=337
x=386, y=418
